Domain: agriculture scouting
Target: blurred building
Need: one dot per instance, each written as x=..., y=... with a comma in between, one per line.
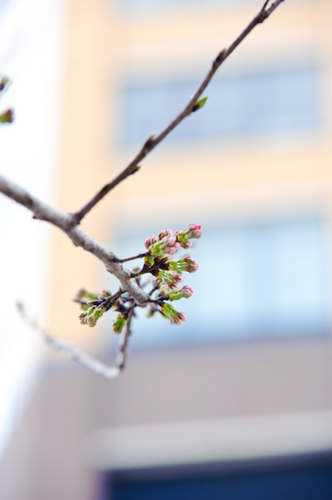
x=237, y=402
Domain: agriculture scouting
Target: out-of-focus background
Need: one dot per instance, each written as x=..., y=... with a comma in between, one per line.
x=237, y=402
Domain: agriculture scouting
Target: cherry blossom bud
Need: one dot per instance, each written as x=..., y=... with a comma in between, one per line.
x=118, y=324
x=191, y=232
x=91, y=321
x=82, y=318
x=166, y=246
x=195, y=231
x=186, y=244
x=185, y=293
x=186, y=264
x=165, y=233
x=170, y=278
x=177, y=318
x=99, y=311
x=150, y=241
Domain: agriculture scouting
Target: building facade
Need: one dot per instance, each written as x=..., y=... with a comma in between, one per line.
x=247, y=379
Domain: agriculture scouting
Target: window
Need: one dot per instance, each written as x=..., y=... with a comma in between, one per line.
x=306, y=477
x=275, y=101
x=256, y=280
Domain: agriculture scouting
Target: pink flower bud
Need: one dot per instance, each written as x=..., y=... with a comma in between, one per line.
x=150, y=240
x=186, y=244
x=183, y=293
x=187, y=264
x=187, y=291
x=173, y=249
x=165, y=233
x=177, y=318
x=192, y=231
x=195, y=231
x=167, y=246
x=170, y=278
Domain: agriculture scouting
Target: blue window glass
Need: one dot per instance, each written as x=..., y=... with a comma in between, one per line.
x=256, y=280
x=308, y=478
x=276, y=101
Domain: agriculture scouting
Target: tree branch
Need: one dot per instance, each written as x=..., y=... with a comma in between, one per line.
x=84, y=359
x=123, y=344
x=153, y=141
x=44, y=212
x=139, y=256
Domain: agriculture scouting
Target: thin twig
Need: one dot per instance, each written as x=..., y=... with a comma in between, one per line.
x=84, y=359
x=123, y=344
x=109, y=301
x=154, y=288
x=139, y=256
x=153, y=141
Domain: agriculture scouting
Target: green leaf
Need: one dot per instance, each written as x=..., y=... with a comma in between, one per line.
x=199, y=104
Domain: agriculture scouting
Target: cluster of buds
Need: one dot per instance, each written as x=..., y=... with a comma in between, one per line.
x=98, y=304
x=167, y=275
x=168, y=243
x=193, y=231
x=165, y=244
x=95, y=308
x=91, y=316
x=169, y=272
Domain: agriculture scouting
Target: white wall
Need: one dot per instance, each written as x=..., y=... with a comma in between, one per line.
x=31, y=54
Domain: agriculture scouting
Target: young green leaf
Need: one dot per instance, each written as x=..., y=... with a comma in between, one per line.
x=199, y=104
